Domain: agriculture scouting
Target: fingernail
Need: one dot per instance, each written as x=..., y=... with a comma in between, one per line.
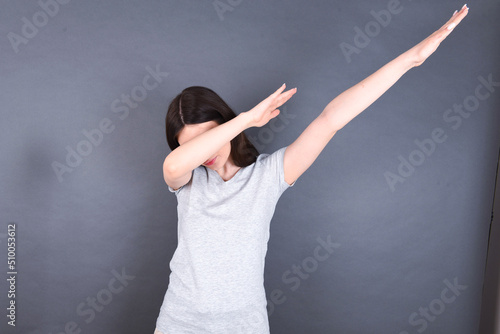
x=451, y=26
x=455, y=13
x=464, y=6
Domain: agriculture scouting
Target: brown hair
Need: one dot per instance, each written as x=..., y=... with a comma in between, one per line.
x=198, y=104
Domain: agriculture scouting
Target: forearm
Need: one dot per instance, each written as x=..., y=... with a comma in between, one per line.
x=353, y=101
x=196, y=151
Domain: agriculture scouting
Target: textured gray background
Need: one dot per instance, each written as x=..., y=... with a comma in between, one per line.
x=113, y=212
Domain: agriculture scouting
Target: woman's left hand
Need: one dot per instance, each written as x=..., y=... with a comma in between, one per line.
x=420, y=52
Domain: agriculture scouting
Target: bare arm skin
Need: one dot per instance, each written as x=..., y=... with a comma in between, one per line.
x=179, y=164
x=300, y=155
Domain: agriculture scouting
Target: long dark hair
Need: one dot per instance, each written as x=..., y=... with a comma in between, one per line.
x=198, y=104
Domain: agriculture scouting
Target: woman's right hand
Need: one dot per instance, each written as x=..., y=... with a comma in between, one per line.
x=267, y=109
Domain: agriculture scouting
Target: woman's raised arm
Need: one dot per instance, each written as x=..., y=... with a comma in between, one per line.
x=300, y=155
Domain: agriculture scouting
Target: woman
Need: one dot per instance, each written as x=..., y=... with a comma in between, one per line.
x=227, y=193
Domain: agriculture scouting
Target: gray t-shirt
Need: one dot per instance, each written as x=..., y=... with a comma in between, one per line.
x=216, y=283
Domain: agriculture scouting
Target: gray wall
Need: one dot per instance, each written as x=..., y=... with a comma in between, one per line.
x=96, y=229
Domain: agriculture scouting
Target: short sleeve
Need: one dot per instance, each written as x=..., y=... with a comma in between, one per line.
x=277, y=164
x=174, y=191
x=179, y=190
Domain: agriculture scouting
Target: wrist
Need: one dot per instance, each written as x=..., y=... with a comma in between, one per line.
x=407, y=60
x=246, y=119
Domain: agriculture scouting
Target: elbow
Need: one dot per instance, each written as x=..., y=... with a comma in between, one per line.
x=337, y=125
x=169, y=169
x=334, y=120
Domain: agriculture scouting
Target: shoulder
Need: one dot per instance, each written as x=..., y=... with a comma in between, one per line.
x=275, y=157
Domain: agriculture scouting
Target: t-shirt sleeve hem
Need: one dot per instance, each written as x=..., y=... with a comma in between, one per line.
x=175, y=191
x=281, y=168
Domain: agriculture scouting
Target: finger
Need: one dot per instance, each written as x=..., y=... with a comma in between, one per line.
x=448, y=27
x=456, y=18
x=464, y=8
x=290, y=92
x=286, y=96
x=274, y=113
x=453, y=20
x=276, y=93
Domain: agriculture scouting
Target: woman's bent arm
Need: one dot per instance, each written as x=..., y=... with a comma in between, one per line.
x=180, y=163
x=196, y=151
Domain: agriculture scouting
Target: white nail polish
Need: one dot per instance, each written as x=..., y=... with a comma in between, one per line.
x=455, y=13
